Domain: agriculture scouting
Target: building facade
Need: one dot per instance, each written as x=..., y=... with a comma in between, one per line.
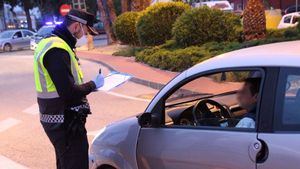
x=276, y=4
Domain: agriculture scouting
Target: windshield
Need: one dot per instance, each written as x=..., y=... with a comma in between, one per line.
x=44, y=31
x=6, y=34
x=209, y=86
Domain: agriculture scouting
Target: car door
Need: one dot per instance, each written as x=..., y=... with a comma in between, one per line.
x=282, y=134
x=285, y=22
x=26, y=38
x=192, y=146
x=17, y=40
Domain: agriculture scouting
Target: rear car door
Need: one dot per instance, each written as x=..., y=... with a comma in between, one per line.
x=282, y=131
x=184, y=145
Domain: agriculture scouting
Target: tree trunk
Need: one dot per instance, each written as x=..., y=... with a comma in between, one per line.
x=2, y=13
x=108, y=16
x=126, y=5
x=26, y=4
x=139, y=5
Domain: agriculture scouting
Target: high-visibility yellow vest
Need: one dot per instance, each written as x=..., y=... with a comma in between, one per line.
x=44, y=85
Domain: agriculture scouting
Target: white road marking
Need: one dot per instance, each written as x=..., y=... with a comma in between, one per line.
x=128, y=97
x=6, y=163
x=8, y=123
x=34, y=109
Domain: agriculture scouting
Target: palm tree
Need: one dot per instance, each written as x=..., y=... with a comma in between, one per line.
x=254, y=20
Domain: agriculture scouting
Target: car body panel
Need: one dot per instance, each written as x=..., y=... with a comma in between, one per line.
x=284, y=150
x=116, y=146
x=171, y=148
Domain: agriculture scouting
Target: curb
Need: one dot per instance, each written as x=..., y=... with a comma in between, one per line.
x=153, y=85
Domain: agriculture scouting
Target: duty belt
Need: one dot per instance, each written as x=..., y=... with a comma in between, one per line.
x=47, y=118
x=82, y=106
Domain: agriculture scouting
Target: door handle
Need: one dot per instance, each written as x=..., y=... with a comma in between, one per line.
x=258, y=151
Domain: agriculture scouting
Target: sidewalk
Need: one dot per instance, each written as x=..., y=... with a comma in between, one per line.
x=143, y=74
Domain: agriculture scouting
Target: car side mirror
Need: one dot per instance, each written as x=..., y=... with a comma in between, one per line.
x=15, y=37
x=149, y=120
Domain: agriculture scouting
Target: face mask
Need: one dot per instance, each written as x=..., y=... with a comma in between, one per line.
x=83, y=40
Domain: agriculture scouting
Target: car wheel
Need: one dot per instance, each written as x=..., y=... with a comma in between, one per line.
x=7, y=48
x=106, y=167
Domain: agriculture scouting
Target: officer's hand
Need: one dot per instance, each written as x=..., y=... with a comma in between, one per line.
x=99, y=81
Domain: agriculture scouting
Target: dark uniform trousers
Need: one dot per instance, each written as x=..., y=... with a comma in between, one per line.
x=71, y=147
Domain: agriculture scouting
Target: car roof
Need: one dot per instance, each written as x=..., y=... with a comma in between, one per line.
x=15, y=30
x=293, y=13
x=284, y=54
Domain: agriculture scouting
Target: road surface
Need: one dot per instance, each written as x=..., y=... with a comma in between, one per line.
x=23, y=144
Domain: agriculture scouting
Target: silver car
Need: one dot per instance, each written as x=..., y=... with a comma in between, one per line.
x=193, y=122
x=15, y=39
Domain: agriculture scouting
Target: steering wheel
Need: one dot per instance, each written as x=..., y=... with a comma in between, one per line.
x=202, y=111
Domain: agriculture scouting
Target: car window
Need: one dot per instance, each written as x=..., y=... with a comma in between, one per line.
x=291, y=105
x=287, y=19
x=44, y=31
x=287, y=107
x=224, y=100
x=27, y=34
x=18, y=34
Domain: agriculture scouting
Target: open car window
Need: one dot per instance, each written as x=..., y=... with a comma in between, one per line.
x=221, y=99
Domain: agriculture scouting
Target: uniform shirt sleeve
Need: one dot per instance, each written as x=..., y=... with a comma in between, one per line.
x=246, y=123
x=58, y=64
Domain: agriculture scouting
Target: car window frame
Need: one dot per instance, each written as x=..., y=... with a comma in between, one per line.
x=280, y=95
x=24, y=31
x=161, y=102
x=286, y=17
x=18, y=32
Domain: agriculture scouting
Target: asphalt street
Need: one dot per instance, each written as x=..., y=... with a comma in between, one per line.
x=23, y=144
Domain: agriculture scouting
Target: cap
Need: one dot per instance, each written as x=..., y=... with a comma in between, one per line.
x=83, y=17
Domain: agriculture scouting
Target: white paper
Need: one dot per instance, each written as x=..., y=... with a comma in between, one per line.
x=114, y=80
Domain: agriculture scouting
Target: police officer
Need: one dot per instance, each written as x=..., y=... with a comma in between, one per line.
x=61, y=93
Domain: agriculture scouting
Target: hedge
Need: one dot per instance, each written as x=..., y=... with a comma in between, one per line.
x=155, y=24
x=204, y=24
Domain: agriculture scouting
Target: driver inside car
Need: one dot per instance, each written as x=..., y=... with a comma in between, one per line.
x=247, y=98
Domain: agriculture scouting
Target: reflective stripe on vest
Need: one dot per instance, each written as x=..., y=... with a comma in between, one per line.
x=44, y=85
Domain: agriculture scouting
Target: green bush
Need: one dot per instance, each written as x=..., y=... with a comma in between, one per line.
x=125, y=29
x=290, y=33
x=128, y=51
x=201, y=25
x=155, y=24
x=171, y=57
x=176, y=60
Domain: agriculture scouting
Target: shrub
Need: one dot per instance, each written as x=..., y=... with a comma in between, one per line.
x=290, y=33
x=125, y=29
x=201, y=25
x=275, y=33
x=128, y=51
x=173, y=60
x=155, y=24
